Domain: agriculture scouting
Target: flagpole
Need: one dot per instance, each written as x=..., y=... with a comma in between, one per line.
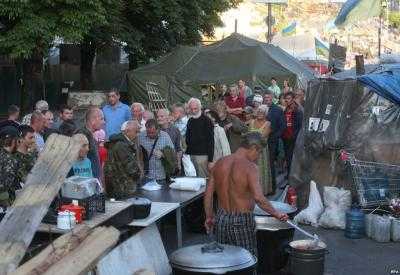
x=380, y=32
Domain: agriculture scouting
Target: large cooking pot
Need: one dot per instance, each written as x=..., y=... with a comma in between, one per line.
x=273, y=236
x=141, y=207
x=306, y=257
x=212, y=259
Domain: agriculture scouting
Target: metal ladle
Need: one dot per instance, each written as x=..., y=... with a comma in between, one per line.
x=314, y=237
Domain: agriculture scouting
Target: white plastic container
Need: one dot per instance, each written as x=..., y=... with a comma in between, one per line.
x=395, y=230
x=66, y=220
x=381, y=229
x=369, y=224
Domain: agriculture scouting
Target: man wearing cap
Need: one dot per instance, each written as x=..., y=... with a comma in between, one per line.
x=121, y=170
x=40, y=106
x=8, y=165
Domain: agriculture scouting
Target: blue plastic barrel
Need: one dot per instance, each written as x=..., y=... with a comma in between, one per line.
x=355, y=224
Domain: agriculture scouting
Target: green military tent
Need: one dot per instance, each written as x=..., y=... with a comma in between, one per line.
x=180, y=74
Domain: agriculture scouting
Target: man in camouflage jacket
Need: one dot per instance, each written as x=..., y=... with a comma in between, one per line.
x=8, y=165
x=122, y=170
x=26, y=154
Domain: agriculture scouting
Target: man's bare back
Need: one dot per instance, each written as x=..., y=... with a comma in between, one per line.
x=231, y=177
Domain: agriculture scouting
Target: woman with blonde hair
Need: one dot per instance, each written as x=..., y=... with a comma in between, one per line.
x=261, y=125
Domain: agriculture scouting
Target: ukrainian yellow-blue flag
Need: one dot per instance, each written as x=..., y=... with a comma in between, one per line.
x=321, y=48
x=355, y=10
x=289, y=30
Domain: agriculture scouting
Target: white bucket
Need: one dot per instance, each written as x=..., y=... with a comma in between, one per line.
x=66, y=220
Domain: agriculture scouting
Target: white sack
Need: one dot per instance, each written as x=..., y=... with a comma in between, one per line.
x=337, y=202
x=186, y=186
x=311, y=214
x=188, y=166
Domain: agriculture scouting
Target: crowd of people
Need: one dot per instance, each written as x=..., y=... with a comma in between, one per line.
x=126, y=146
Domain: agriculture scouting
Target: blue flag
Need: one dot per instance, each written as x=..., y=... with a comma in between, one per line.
x=355, y=10
x=289, y=30
x=321, y=48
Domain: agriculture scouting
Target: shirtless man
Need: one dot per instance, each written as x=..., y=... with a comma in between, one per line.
x=235, y=179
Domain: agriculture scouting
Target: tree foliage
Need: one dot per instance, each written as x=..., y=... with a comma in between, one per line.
x=394, y=19
x=152, y=28
x=31, y=26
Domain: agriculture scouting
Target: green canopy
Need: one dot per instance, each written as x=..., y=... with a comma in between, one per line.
x=180, y=74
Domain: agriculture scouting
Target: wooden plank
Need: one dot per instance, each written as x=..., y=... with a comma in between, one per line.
x=144, y=250
x=73, y=253
x=54, y=252
x=22, y=220
x=112, y=209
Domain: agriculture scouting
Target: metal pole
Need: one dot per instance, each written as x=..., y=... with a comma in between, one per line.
x=236, y=25
x=379, y=34
x=269, y=23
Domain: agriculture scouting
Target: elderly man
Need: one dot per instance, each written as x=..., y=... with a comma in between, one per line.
x=153, y=142
x=235, y=180
x=48, y=127
x=121, y=170
x=115, y=113
x=37, y=123
x=40, y=106
x=278, y=124
x=180, y=118
x=199, y=138
x=25, y=155
x=94, y=121
x=66, y=114
x=137, y=110
x=233, y=126
x=163, y=119
x=8, y=165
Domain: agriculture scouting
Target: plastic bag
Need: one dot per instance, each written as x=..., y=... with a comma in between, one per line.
x=381, y=229
x=337, y=202
x=311, y=214
x=188, y=166
x=395, y=230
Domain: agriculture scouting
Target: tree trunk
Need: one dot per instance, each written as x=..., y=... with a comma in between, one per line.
x=32, y=79
x=88, y=53
x=133, y=61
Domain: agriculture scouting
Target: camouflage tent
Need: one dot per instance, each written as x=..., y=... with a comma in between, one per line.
x=180, y=74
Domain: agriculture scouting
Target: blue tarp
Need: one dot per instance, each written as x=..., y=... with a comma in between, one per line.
x=385, y=82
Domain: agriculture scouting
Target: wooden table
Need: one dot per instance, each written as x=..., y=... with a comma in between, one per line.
x=112, y=209
x=168, y=195
x=158, y=210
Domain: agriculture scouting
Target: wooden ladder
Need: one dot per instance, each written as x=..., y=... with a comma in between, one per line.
x=156, y=101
